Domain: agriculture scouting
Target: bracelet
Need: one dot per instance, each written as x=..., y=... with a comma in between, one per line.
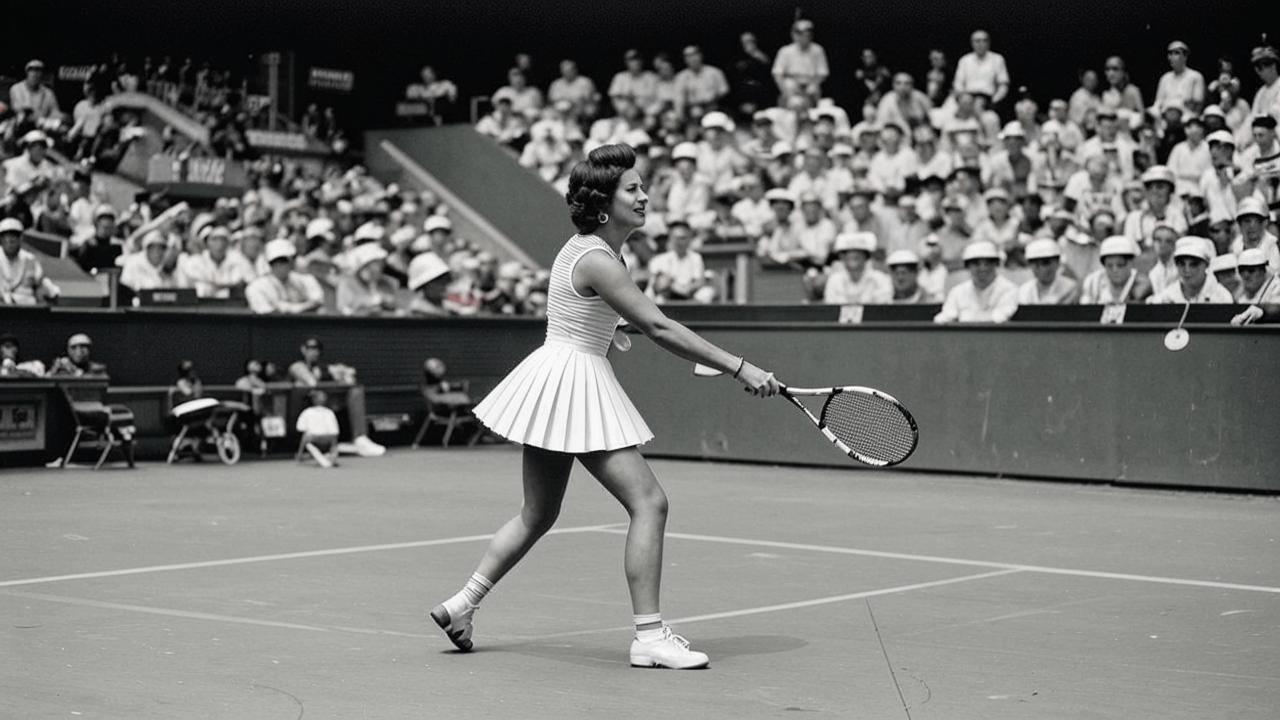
x=742, y=362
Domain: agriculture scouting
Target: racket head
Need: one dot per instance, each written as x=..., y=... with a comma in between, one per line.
x=869, y=425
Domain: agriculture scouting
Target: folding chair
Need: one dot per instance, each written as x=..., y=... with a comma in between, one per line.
x=452, y=410
x=98, y=424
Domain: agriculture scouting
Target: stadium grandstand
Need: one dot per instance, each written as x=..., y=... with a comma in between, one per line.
x=297, y=249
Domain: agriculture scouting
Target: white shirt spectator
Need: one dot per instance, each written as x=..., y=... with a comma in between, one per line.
x=20, y=170
x=1139, y=224
x=981, y=74
x=1161, y=274
x=753, y=214
x=139, y=274
x=1098, y=290
x=1218, y=194
x=690, y=201
x=683, y=272
x=1189, y=163
x=704, y=87
x=817, y=239
x=1211, y=292
x=268, y=295
x=1185, y=90
x=87, y=118
x=720, y=166
x=41, y=101
x=965, y=303
x=1269, y=293
x=1063, y=291
x=318, y=420
x=212, y=279
x=641, y=87
x=873, y=288
x=1268, y=245
x=580, y=91
x=1123, y=158
x=21, y=278
x=801, y=66
x=889, y=172
x=1267, y=100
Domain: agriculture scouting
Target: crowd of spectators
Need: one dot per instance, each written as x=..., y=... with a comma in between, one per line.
x=926, y=176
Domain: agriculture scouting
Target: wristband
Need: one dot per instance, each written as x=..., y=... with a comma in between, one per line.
x=742, y=362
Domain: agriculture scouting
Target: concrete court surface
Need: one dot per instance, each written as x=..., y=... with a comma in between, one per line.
x=272, y=590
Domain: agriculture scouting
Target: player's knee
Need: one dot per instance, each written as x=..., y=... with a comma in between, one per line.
x=653, y=503
x=540, y=519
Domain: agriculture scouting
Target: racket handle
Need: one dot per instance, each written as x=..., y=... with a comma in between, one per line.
x=701, y=370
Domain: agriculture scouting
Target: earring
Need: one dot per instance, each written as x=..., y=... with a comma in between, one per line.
x=602, y=218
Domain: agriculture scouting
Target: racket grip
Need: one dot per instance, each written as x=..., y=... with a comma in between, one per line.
x=701, y=370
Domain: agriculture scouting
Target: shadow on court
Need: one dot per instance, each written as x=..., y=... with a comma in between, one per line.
x=271, y=590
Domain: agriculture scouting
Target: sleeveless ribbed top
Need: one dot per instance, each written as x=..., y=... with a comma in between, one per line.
x=586, y=323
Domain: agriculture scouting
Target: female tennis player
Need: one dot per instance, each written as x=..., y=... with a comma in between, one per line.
x=563, y=402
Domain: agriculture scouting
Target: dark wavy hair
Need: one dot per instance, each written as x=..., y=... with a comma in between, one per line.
x=593, y=182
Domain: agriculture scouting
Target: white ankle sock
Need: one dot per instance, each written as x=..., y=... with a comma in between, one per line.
x=651, y=634
x=470, y=595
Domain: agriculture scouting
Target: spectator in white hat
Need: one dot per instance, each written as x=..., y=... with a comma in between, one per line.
x=31, y=94
x=1224, y=271
x=22, y=278
x=1258, y=285
x=33, y=165
x=1180, y=84
x=1048, y=286
x=781, y=244
x=904, y=275
x=1000, y=227
x=214, y=272
x=893, y=163
x=852, y=280
x=283, y=291
x=1195, y=283
x=700, y=84
x=800, y=67
x=718, y=160
x=1252, y=216
x=985, y=296
x=429, y=279
x=679, y=273
x=1217, y=182
x=1117, y=281
x=147, y=270
x=1164, y=238
x=905, y=106
x=816, y=230
x=1266, y=101
x=1161, y=207
x=367, y=290
x=689, y=197
x=982, y=71
x=1189, y=159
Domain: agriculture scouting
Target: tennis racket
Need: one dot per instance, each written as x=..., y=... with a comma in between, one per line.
x=869, y=426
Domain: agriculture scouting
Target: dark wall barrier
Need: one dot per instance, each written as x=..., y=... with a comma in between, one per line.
x=1089, y=402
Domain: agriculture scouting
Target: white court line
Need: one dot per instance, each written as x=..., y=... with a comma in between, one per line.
x=962, y=561
x=279, y=556
x=192, y=615
x=798, y=604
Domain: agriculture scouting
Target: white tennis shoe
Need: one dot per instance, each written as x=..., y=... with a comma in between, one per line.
x=456, y=625
x=669, y=651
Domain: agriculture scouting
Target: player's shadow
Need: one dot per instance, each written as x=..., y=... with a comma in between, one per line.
x=580, y=651
x=727, y=647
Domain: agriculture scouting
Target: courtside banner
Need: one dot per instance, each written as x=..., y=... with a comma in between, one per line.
x=197, y=177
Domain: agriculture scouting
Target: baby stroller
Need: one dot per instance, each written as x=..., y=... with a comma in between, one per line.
x=206, y=423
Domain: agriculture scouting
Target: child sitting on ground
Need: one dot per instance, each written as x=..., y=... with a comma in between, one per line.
x=319, y=427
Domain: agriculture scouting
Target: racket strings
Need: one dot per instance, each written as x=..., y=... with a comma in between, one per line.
x=870, y=425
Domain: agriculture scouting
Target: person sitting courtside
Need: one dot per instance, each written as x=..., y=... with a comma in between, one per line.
x=310, y=372
x=985, y=297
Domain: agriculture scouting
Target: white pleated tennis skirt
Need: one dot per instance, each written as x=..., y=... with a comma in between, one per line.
x=564, y=399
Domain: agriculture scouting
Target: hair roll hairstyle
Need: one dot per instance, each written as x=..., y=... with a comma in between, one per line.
x=593, y=182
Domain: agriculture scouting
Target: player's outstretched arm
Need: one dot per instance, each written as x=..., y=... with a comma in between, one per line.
x=598, y=273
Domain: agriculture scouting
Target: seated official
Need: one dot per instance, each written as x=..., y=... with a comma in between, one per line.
x=77, y=362
x=318, y=426
x=1195, y=285
x=1049, y=286
x=904, y=274
x=679, y=273
x=22, y=278
x=11, y=363
x=283, y=291
x=1117, y=281
x=309, y=371
x=985, y=296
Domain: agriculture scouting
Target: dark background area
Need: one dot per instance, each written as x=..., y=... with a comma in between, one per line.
x=473, y=43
